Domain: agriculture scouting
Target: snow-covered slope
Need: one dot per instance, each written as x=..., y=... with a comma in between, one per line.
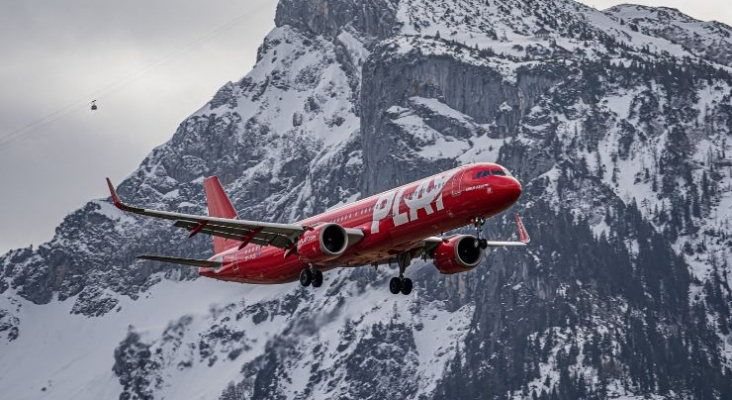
x=711, y=40
x=171, y=344
x=616, y=122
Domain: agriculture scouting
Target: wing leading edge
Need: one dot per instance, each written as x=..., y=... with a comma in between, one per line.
x=262, y=233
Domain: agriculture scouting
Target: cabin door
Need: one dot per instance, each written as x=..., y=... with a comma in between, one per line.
x=457, y=183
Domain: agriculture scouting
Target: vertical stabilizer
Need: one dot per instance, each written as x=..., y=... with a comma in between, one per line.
x=219, y=206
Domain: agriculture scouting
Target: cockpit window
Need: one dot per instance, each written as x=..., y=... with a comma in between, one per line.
x=496, y=172
x=482, y=174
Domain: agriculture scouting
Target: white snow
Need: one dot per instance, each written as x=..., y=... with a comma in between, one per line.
x=55, y=348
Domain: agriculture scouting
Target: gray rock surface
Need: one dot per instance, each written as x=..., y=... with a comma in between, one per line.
x=621, y=137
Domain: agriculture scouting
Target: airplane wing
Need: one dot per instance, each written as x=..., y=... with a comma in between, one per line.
x=429, y=244
x=496, y=243
x=262, y=233
x=524, y=238
x=182, y=261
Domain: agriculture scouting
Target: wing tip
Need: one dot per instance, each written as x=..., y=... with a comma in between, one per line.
x=523, y=235
x=113, y=193
x=117, y=202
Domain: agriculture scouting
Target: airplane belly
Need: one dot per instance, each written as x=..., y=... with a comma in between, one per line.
x=268, y=267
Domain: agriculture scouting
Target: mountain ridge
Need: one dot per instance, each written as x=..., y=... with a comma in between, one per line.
x=621, y=139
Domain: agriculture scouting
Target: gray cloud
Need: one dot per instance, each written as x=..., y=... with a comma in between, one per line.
x=55, y=52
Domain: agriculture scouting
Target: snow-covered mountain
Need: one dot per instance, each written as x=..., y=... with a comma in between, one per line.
x=710, y=40
x=619, y=124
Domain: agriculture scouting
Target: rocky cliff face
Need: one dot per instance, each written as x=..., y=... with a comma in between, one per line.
x=619, y=130
x=710, y=40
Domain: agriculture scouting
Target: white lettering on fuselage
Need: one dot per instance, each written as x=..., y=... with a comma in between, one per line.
x=424, y=194
x=399, y=218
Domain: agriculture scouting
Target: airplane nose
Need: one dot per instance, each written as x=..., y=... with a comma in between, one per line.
x=504, y=191
x=513, y=189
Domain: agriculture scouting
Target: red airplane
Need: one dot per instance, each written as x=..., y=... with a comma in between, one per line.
x=396, y=225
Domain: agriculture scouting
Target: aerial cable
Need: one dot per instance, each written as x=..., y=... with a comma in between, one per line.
x=9, y=138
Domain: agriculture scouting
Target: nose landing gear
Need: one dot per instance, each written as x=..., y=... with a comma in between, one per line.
x=478, y=223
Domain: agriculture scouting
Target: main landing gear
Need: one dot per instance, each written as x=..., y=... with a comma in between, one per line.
x=400, y=283
x=479, y=241
x=311, y=276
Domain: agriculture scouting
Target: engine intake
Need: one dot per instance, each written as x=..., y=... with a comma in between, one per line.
x=459, y=254
x=325, y=242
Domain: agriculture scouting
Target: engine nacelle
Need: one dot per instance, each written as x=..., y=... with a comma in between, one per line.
x=323, y=243
x=459, y=254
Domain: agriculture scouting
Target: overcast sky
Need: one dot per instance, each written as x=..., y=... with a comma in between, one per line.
x=144, y=63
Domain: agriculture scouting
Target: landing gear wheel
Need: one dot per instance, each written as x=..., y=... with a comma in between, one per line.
x=400, y=284
x=306, y=277
x=483, y=244
x=317, y=278
x=395, y=285
x=406, y=286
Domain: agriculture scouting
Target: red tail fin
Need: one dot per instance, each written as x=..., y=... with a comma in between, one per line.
x=219, y=206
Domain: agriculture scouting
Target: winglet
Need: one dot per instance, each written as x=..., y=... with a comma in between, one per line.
x=116, y=200
x=523, y=235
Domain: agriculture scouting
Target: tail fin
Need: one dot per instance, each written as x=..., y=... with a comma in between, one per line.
x=219, y=206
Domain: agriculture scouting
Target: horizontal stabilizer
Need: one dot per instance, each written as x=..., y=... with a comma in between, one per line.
x=182, y=261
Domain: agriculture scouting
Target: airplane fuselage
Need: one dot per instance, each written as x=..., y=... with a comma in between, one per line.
x=392, y=222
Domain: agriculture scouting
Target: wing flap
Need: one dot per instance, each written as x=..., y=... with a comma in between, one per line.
x=261, y=237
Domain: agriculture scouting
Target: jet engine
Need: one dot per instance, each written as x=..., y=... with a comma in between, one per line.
x=323, y=243
x=458, y=254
